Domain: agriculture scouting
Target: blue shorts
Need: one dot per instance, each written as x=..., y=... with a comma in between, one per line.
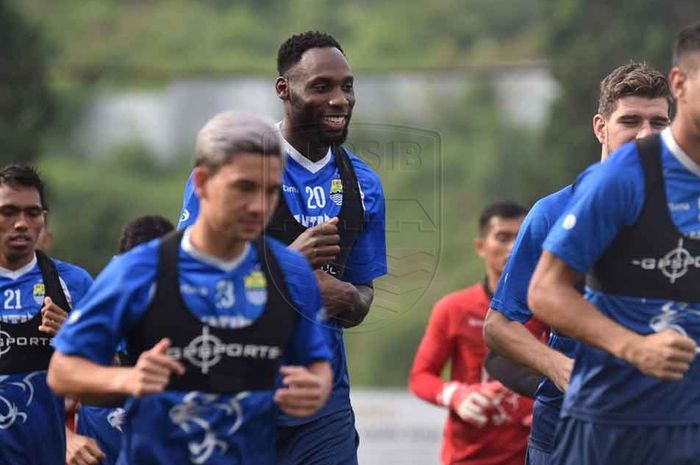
x=537, y=456
x=581, y=442
x=329, y=440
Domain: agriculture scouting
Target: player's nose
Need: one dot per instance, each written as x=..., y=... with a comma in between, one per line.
x=645, y=130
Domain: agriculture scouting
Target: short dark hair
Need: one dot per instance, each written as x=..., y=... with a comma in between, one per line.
x=25, y=176
x=143, y=229
x=687, y=42
x=507, y=210
x=632, y=79
x=292, y=49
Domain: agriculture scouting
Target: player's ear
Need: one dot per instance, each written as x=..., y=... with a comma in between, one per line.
x=200, y=176
x=599, y=128
x=676, y=80
x=479, y=246
x=282, y=88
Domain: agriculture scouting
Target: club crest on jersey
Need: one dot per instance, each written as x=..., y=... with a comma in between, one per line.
x=38, y=293
x=337, y=191
x=256, y=288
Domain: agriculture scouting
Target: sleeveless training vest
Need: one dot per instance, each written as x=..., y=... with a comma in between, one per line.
x=651, y=258
x=217, y=360
x=23, y=348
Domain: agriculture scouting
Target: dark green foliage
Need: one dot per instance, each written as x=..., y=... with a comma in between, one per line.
x=25, y=103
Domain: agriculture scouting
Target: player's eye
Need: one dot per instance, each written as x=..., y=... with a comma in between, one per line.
x=245, y=186
x=9, y=211
x=660, y=124
x=629, y=122
x=33, y=212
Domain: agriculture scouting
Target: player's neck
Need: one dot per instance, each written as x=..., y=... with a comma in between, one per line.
x=492, y=278
x=314, y=151
x=209, y=242
x=687, y=138
x=14, y=264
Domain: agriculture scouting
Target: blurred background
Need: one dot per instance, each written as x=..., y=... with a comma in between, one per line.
x=459, y=103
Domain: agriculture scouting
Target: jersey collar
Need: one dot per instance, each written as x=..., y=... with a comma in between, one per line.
x=224, y=265
x=311, y=166
x=678, y=152
x=19, y=272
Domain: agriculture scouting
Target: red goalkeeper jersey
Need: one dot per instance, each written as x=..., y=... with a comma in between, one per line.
x=455, y=333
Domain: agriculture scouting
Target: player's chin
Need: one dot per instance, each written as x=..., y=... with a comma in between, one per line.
x=250, y=233
x=334, y=137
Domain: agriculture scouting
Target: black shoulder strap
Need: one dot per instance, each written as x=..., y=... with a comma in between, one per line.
x=649, y=150
x=167, y=282
x=269, y=266
x=351, y=217
x=52, y=282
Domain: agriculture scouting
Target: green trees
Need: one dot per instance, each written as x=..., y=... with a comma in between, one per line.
x=25, y=103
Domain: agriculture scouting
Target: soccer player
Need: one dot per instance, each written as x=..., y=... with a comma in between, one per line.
x=104, y=424
x=634, y=102
x=332, y=211
x=487, y=423
x=209, y=313
x=632, y=225
x=36, y=294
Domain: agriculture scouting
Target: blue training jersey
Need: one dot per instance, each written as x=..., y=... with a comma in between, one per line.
x=510, y=299
x=196, y=427
x=604, y=388
x=32, y=418
x=311, y=192
x=105, y=426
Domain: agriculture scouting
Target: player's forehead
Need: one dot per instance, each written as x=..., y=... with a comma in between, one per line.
x=500, y=224
x=20, y=196
x=644, y=107
x=322, y=62
x=251, y=165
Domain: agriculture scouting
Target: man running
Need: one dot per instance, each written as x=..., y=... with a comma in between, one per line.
x=487, y=423
x=209, y=313
x=37, y=293
x=332, y=211
x=632, y=225
x=634, y=102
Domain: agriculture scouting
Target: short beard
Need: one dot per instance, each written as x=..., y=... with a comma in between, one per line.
x=313, y=130
x=334, y=140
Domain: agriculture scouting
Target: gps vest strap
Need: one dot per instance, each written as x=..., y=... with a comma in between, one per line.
x=286, y=228
x=23, y=348
x=650, y=258
x=217, y=360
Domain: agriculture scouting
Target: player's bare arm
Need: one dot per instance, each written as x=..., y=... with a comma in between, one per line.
x=512, y=340
x=97, y=384
x=346, y=302
x=666, y=355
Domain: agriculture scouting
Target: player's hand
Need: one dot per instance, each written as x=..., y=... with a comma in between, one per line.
x=474, y=402
x=52, y=317
x=338, y=296
x=81, y=450
x=665, y=355
x=303, y=392
x=152, y=371
x=319, y=244
x=508, y=406
x=559, y=370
